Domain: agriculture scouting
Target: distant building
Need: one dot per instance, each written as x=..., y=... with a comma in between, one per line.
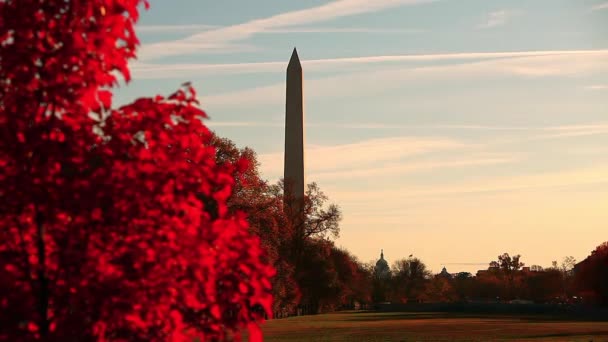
x=382, y=270
x=445, y=273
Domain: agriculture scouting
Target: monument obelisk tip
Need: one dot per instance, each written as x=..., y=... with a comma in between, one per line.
x=294, y=61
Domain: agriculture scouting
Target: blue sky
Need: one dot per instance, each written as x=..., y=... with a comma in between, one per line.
x=455, y=130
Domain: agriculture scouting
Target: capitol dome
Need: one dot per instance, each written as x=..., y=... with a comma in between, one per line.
x=382, y=270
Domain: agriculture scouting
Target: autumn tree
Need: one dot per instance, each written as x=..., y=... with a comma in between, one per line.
x=489, y=286
x=463, y=286
x=508, y=266
x=409, y=278
x=264, y=208
x=566, y=268
x=311, y=223
x=507, y=263
x=544, y=286
x=592, y=275
x=353, y=280
x=316, y=277
x=331, y=278
x=308, y=265
x=321, y=219
x=439, y=289
x=114, y=222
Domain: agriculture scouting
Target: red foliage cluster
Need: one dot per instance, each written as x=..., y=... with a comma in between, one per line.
x=113, y=226
x=62, y=52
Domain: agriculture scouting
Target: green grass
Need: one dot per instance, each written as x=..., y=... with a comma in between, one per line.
x=401, y=326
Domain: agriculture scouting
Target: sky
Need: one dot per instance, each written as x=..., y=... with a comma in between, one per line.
x=454, y=130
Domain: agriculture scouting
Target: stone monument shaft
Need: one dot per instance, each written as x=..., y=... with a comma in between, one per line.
x=294, y=130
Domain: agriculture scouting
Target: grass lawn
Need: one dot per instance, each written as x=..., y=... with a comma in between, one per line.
x=402, y=326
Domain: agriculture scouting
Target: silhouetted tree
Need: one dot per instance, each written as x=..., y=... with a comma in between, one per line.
x=507, y=263
x=536, y=268
x=440, y=289
x=544, y=286
x=296, y=247
x=489, y=286
x=409, y=277
x=463, y=286
x=354, y=279
x=592, y=275
x=567, y=264
x=508, y=267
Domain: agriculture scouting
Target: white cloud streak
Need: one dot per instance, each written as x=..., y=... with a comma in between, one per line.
x=161, y=71
x=377, y=158
x=225, y=36
x=366, y=83
x=545, y=132
x=174, y=28
x=552, y=179
x=497, y=18
x=405, y=167
x=343, y=30
x=212, y=124
x=575, y=131
x=597, y=87
x=382, y=157
x=356, y=155
x=202, y=27
x=600, y=6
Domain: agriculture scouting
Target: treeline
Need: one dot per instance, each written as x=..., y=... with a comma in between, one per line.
x=505, y=280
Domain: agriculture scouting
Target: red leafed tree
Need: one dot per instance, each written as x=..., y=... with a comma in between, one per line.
x=113, y=222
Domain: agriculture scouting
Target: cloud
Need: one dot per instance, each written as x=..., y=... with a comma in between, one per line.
x=142, y=70
x=600, y=6
x=538, y=133
x=212, y=124
x=202, y=27
x=406, y=167
x=377, y=157
x=173, y=28
x=575, y=131
x=225, y=36
x=497, y=18
x=370, y=125
x=528, y=182
x=366, y=83
x=343, y=30
x=597, y=87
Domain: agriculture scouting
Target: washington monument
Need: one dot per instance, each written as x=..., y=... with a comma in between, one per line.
x=294, y=131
